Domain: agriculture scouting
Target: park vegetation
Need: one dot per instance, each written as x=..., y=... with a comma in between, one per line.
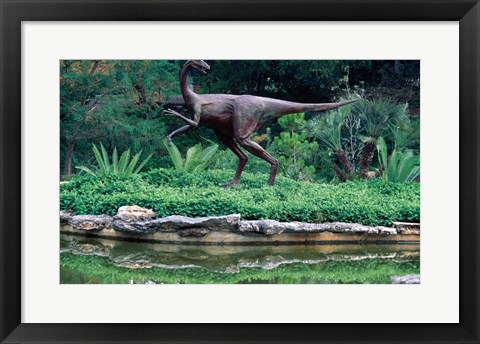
x=359, y=163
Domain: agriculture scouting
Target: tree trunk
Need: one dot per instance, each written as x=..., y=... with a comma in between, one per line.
x=366, y=158
x=342, y=157
x=339, y=173
x=67, y=167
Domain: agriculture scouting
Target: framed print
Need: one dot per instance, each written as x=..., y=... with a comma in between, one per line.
x=290, y=214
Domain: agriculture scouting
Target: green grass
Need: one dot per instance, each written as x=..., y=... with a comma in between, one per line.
x=82, y=269
x=169, y=192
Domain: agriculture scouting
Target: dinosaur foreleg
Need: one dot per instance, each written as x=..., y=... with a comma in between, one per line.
x=176, y=132
x=170, y=112
x=257, y=150
x=230, y=143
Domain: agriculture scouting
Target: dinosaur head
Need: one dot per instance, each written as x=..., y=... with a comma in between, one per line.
x=200, y=65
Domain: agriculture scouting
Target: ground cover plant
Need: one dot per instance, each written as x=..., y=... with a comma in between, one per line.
x=171, y=192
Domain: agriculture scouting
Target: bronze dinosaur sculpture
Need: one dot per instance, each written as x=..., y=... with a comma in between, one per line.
x=234, y=118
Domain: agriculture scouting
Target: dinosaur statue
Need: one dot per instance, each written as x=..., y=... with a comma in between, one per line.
x=234, y=118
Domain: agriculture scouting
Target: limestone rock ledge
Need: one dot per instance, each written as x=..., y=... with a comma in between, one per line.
x=91, y=222
x=270, y=227
x=140, y=221
x=408, y=279
x=228, y=223
x=133, y=226
x=66, y=216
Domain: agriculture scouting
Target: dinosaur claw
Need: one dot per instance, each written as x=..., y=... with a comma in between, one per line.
x=169, y=112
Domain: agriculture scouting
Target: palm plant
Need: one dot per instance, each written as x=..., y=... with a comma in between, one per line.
x=399, y=166
x=405, y=133
x=377, y=117
x=196, y=159
x=123, y=167
x=328, y=129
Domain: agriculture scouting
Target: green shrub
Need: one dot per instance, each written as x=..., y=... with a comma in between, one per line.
x=169, y=192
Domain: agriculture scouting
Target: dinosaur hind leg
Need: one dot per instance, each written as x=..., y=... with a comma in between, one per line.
x=176, y=132
x=257, y=150
x=230, y=143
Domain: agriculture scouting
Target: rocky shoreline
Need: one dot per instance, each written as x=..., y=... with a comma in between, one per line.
x=136, y=223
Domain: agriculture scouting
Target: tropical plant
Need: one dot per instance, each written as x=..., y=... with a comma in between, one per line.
x=350, y=134
x=376, y=116
x=196, y=159
x=328, y=129
x=123, y=167
x=399, y=166
x=406, y=133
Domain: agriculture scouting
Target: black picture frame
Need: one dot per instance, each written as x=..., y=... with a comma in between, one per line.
x=467, y=12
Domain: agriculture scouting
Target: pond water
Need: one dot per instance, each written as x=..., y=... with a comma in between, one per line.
x=100, y=261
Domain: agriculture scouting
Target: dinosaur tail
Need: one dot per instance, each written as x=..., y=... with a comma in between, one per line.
x=280, y=108
x=327, y=106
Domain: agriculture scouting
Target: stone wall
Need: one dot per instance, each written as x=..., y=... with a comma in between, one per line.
x=135, y=223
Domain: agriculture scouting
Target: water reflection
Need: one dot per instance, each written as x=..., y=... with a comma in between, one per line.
x=229, y=259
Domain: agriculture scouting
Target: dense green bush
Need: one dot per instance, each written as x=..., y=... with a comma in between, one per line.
x=170, y=192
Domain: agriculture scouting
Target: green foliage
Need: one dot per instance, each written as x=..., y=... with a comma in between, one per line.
x=170, y=192
x=116, y=102
x=296, y=155
x=80, y=269
x=399, y=166
x=405, y=134
x=377, y=115
x=196, y=159
x=349, y=134
x=120, y=103
x=327, y=128
x=298, y=80
x=123, y=167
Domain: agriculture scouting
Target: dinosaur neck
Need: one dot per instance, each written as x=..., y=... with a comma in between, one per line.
x=187, y=93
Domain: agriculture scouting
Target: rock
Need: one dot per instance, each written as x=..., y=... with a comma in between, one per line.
x=271, y=227
x=407, y=231
x=134, y=212
x=408, y=279
x=268, y=227
x=133, y=226
x=193, y=232
x=304, y=227
x=91, y=222
x=219, y=223
x=386, y=230
x=407, y=228
x=345, y=227
x=66, y=216
x=134, y=219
